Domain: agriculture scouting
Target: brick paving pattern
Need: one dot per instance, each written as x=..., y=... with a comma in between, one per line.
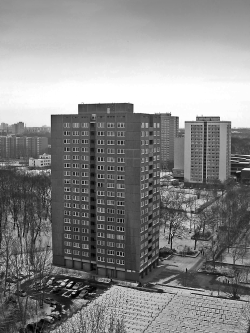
x=175, y=310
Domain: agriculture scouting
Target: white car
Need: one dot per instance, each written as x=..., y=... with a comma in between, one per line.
x=63, y=283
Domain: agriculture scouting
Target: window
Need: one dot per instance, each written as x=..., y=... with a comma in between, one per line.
x=111, y=260
x=112, y=177
x=76, y=141
x=85, y=254
x=111, y=151
x=101, y=242
x=120, y=262
x=85, y=223
x=110, y=159
x=110, y=142
x=67, y=220
x=120, y=203
x=67, y=251
x=110, y=125
x=100, y=226
x=120, y=253
x=110, y=185
x=111, y=252
x=101, y=125
x=100, y=150
x=75, y=133
x=120, y=159
x=75, y=125
x=101, y=133
x=67, y=212
x=120, y=177
x=121, y=229
x=67, y=204
x=66, y=165
x=66, y=228
x=76, y=253
x=85, y=238
x=85, y=246
x=111, y=244
x=102, y=259
x=120, y=245
x=110, y=168
x=75, y=173
x=110, y=202
x=120, y=220
x=120, y=125
x=112, y=236
x=100, y=167
x=85, y=231
x=111, y=227
x=85, y=149
x=100, y=142
x=121, y=142
x=68, y=236
x=121, y=211
x=121, y=168
x=84, y=125
x=76, y=245
x=110, y=133
x=100, y=210
x=75, y=229
x=120, y=237
x=67, y=173
x=101, y=234
x=66, y=125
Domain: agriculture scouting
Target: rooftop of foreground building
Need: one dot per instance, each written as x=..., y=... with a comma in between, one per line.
x=174, y=310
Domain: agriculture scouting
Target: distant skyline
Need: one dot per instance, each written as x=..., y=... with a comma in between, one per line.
x=187, y=57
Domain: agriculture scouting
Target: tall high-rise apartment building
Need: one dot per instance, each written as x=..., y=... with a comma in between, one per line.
x=207, y=151
x=106, y=190
x=169, y=131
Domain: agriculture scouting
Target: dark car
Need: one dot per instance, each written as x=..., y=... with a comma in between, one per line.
x=56, y=290
x=50, y=301
x=11, y=280
x=83, y=293
x=89, y=288
x=21, y=293
x=78, y=285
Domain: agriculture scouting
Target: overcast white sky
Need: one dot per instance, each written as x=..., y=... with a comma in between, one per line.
x=187, y=57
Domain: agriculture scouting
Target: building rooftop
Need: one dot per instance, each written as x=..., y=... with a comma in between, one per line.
x=175, y=310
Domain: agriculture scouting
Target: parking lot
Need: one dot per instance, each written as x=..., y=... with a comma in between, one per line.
x=59, y=297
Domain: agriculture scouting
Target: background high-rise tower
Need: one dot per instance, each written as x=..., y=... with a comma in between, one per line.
x=207, y=151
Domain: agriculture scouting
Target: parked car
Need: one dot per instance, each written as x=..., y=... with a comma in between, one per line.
x=89, y=288
x=47, y=319
x=67, y=293
x=11, y=280
x=63, y=283
x=50, y=301
x=70, y=284
x=78, y=285
x=21, y=293
x=56, y=289
x=83, y=293
x=50, y=281
x=56, y=316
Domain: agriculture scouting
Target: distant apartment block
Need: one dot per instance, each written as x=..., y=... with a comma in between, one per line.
x=178, y=170
x=169, y=131
x=106, y=190
x=207, y=150
x=40, y=162
x=42, y=129
x=12, y=146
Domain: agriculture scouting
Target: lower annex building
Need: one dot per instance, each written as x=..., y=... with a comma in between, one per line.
x=106, y=190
